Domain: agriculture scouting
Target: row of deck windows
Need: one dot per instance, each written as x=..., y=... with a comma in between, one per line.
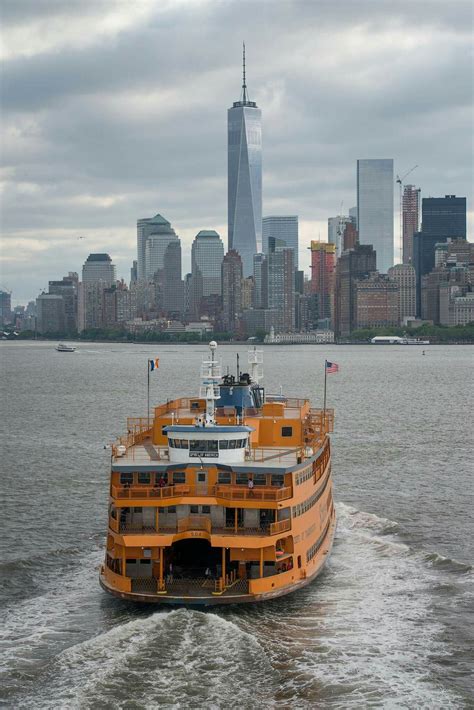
x=207, y=444
x=223, y=477
x=315, y=547
x=309, y=502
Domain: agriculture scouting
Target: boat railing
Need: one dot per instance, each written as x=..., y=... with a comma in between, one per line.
x=280, y=526
x=194, y=522
x=229, y=492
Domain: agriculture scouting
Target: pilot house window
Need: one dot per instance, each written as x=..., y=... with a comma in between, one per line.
x=287, y=431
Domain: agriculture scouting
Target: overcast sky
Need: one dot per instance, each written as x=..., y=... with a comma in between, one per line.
x=112, y=111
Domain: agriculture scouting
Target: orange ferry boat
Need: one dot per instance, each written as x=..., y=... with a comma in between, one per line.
x=223, y=498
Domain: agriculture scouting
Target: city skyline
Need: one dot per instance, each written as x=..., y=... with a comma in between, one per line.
x=116, y=150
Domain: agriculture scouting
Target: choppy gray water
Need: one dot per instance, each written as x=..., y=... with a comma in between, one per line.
x=389, y=623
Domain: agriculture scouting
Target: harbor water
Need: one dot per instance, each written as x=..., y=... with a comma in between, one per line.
x=389, y=624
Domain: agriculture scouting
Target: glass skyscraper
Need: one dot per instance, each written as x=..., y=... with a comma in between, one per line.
x=282, y=227
x=244, y=178
x=375, y=208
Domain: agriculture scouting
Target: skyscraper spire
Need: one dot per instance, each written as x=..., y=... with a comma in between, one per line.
x=244, y=85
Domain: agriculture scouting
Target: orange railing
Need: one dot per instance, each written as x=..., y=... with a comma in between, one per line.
x=229, y=492
x=194, y=522
x=280, y=526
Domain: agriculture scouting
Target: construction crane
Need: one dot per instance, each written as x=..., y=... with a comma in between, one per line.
x=400, y=182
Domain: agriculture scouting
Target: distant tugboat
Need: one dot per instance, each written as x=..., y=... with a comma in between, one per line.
x=63, y=348
x=222, y=498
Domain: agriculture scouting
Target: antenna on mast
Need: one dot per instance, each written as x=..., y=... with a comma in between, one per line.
x=244, y=85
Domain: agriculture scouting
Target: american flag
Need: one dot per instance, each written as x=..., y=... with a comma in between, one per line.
x=331, y=366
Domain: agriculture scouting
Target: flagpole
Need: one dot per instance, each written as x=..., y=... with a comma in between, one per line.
x=325, y=380
x=148, y=392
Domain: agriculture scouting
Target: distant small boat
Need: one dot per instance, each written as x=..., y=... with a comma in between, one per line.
x=396, y=340
x=63, y=348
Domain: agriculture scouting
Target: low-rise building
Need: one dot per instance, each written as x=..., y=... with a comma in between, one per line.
x=376, y=302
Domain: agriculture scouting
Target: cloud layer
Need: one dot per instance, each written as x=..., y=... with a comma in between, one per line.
x=113, y=111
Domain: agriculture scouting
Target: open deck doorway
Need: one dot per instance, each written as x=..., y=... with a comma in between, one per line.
x=192, y=557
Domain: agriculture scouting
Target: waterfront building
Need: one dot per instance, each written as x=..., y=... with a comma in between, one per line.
x=323, y=262
x=244, y=178
x=5, y=306
x=354, y=264
x=116, y=305
x=51, y=314
x=231, y=290
x=207, y=254
x=424, y=250
x=376, y=298
x=410, y=220
x=310, y=337
x=336, y=230
x=67, y=288
x=375, y=212
x=444, y=216
x=456, y=305
x=283, y=228
x=404, y=276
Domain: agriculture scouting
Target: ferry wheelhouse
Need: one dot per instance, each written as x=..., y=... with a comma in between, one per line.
x=223, y=498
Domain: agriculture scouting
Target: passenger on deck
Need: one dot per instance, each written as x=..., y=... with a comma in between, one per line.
x=161, y=482
x=250, y=486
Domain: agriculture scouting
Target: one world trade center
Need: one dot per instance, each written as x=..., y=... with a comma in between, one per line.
x=244, y=178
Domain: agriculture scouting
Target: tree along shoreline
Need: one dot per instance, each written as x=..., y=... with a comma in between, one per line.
x=437, y=335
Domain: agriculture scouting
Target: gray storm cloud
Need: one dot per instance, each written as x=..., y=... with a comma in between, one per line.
x=113, y=111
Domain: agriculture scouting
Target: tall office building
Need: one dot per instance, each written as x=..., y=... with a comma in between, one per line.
x=375, y=208
x=244, y=178
x=323, y=263
x=336, y=227
x=281, y=227
x=51, y=315
x=5, y=306
x=258, y=262
x=376, y=298
x=353, y=215
x=207, y=253
x=68, y=289
x=410, y=220
x=444, y=216
x=98, y=273
x=155, y=249
x=171, y=283
x=231, y=290
x=353, y=265
x=278, y=284
x=404, y=276
x=156, y=225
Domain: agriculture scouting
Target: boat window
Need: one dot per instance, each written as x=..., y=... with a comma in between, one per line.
x=232, y=444
x=184, y=444
x=287, y=431
x=206, y=509
x=259, y=479
x=203, y=445
x=241, y=479
x=179, y=477
x=223, y=444
x=171, y=509
x=144, y=477
x=202, y=476
x=223, y=477
x=194, y=509
x=145, y=562
x=126, y=478
x=171, y=443
x=277, y=479
x=160, y=476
